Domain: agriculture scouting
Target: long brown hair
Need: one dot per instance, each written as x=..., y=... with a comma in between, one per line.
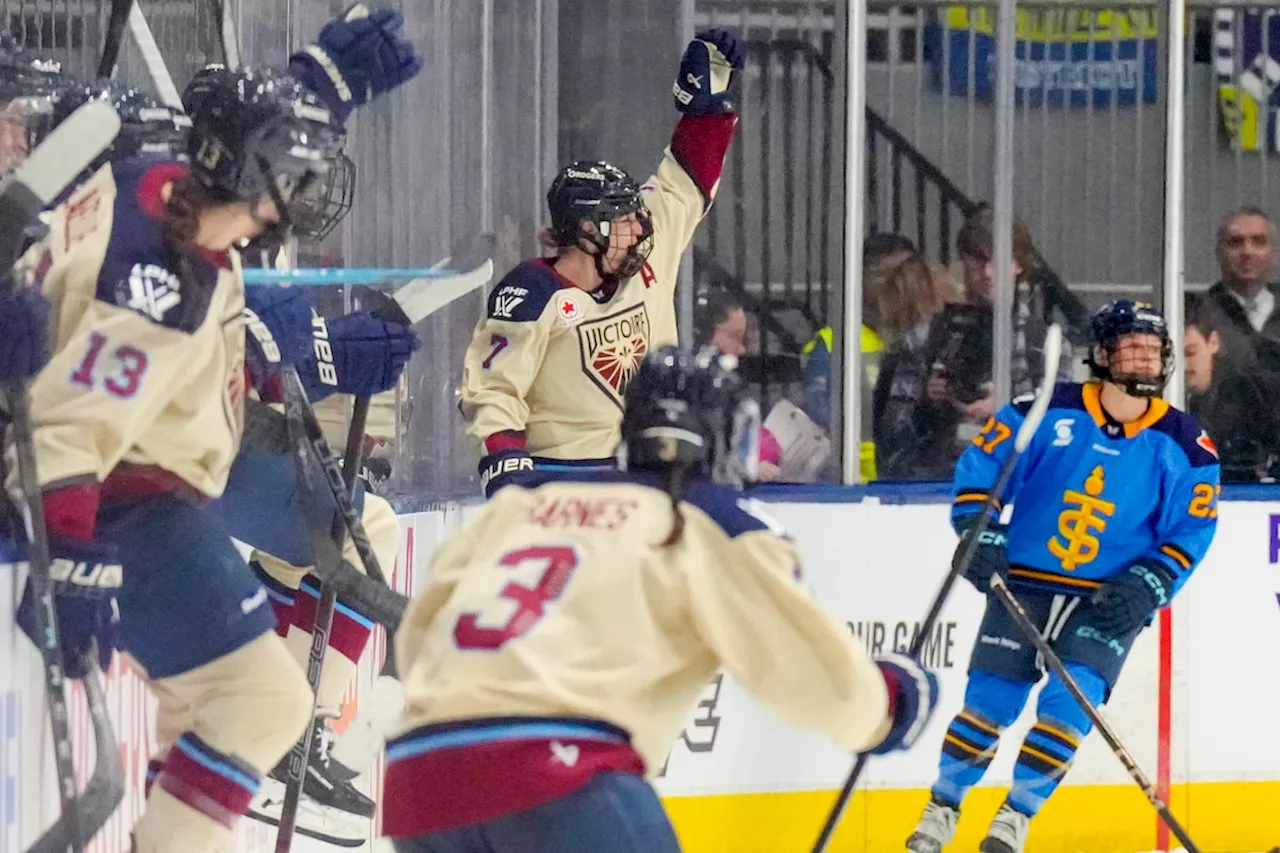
x=188, y=199
x=674, y=487
x=906, y=290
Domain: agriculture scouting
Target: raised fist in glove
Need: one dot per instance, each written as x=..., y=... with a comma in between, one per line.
x=86, y=577
x=989, y=557
x=507, y=467
x=706, y=73
x=356, y=354
x=277, y=329
x=1126, y=601
x=24, y=333
x=913, y=695
x=357, y=56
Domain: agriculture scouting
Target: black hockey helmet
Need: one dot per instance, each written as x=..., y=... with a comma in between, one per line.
x=691, y=412
x=146, y=125
x=599, y=193
x=258, y=132
x=1125, y=317
x=29, y=84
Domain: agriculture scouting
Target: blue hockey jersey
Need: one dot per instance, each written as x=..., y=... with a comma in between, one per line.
x=1091, y=497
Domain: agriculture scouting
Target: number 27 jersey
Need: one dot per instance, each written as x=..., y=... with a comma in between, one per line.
x=1092, y=497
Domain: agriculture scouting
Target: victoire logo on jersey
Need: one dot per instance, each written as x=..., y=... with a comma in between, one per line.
x=153, y=291
x=612, y=348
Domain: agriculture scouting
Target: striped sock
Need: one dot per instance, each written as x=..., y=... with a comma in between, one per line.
x=1045, y=757
x=351, y=628
x=280, y=596
x=967, y=750
x=216, y=785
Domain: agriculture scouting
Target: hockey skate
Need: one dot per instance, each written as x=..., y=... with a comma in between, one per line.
x=1008, y=832
x=331, y=810
x=936, y=828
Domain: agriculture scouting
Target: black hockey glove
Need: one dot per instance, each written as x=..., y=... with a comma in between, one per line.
x=1126, y=601
x=504, y=468
x=989, y=557
x=706, y=73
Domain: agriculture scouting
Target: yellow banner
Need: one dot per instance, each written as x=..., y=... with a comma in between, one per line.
x=1061, y=25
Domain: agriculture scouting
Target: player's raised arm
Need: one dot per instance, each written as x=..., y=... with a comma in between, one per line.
x=684, y=185
x=503, y=359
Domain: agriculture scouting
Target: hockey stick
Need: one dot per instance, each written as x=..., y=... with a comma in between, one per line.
x=1001, y=591
x=52, y=167
x=296, y=404
x=104, y=790
x=412, y=303
x=115, y=36
x=1030, y=423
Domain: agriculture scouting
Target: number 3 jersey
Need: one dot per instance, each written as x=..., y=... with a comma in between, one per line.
x=1091, y=497
x=548, y=364
x=557, y=637
x=145, y=387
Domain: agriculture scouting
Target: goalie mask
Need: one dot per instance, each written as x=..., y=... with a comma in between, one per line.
x=1128, y=363
x=259, y=133
x=599, y=193
x=691, y=413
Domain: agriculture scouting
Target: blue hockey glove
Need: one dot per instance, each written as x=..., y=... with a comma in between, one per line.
x=913, y=695
x=356, y=354
x=278, y=329
x=989, y=558
x=86, y=577
x=504, y=468
x=24, y=333
x=357, y=56
x=706, y=73
x=1126, y=601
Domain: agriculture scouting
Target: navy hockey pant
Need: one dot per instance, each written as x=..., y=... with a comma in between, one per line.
x=615, y=813
x=188, y=597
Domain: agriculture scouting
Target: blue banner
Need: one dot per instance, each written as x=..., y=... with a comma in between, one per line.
x=1246, y=63
x=1063, y=55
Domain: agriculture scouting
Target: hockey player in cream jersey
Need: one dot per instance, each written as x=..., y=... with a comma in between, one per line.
x=138, y=417
x=565, y=633
x=549, y=362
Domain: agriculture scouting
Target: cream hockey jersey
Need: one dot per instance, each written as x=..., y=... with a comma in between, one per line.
x=556, y=624
x=547, y=365
x=146, y=383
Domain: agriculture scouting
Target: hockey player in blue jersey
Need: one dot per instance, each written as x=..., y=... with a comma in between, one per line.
x=1114, y=505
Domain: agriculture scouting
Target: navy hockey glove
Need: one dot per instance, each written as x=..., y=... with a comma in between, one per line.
x=356, y=354
x=1126, y=601
x=278, y=329
x=504, y=468
x=706, y=73
x=913, y=695
x=86, y=577
x=989, y=558
x=357, y=56
x=24, y=333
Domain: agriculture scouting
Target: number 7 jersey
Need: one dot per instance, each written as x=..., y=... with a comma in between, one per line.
x=1091, y=497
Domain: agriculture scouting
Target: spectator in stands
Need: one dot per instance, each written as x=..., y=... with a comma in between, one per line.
x=1242, y=305
x=1237, y=410
x=720, y=320
x=959, y=388
x=903, y=294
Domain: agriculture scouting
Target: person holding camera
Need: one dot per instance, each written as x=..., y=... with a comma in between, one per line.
x=959, y=390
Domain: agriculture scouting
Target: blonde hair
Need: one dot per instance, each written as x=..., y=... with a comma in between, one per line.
x=906, y=291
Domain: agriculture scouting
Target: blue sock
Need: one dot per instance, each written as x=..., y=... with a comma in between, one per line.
x=990, y=704
x=1051, y=745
